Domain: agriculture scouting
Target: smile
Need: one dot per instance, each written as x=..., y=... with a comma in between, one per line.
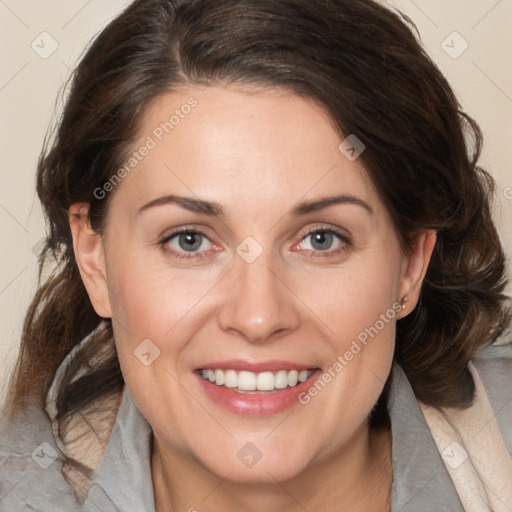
x=245, y=381
x=255, y=388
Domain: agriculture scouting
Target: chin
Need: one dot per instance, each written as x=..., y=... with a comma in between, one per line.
x=244, y=467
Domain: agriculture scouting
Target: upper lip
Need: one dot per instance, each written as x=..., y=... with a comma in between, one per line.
x=255, y=366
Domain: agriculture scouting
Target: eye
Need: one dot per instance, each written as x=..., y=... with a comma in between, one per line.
x=324, y=240
x=320, y=240
x=186, y=243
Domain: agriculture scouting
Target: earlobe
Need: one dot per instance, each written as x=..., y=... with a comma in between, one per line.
x=90, y=258
x=414, y=270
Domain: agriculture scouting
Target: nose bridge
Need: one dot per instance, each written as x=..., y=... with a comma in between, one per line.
x=257, y=304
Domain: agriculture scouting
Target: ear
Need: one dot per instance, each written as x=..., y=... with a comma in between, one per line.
x=414, y=268
x=90, y=258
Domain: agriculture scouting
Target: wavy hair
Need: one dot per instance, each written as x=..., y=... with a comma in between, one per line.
x=365, y=65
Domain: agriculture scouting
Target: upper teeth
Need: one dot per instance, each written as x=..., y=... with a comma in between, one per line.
x=249, y=381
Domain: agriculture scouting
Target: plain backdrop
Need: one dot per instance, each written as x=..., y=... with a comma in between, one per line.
x=41, y=41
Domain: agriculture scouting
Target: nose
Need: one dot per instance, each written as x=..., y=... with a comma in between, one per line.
x=259, y=306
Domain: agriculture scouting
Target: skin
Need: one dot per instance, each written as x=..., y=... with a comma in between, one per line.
x=257, y=153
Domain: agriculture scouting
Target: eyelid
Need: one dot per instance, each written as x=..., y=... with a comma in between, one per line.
x=179, y=231
x=200, y=229
x=341, y=233
x=328, y=229
x=344, y=238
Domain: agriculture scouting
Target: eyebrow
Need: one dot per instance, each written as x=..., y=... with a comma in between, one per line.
x=189, y=203
x=214, y=209
x=313, y=206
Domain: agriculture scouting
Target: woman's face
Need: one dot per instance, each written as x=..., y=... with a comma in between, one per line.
x=243, y=245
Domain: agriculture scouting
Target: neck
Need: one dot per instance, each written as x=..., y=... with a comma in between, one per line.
x=355, y=478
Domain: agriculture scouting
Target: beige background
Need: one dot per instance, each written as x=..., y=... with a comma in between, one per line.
x=481, y=76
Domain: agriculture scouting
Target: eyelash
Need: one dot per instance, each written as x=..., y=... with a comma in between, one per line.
x=346, y=243
x=182, y=255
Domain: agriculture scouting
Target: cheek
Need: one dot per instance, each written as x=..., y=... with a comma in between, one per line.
x=361, y=323
x=351, y=300
x=149, y=304
x=166, y=306
x=358, y=308
x=149, y=298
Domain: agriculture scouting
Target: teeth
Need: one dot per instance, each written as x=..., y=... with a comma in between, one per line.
x=249, y=381
x=281, y=379
x=293, y=377
x=230, y=379
x=219, y=377
x=265, y=381
x=303, y=375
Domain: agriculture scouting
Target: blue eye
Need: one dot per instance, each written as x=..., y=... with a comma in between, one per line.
x=321, y=240
x=325, y=240
x=186, y=241
x=189, y=241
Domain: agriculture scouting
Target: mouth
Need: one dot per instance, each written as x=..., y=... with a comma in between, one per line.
x=251, y=382
x=255, y=389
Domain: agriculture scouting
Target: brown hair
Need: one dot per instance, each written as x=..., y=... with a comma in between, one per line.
x=365, y=66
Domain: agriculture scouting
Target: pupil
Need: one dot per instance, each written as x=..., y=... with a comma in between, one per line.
x=189, y=241
x=322, y=240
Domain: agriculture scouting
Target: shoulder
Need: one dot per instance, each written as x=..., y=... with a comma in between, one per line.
x=494, y=365
x=30, y=465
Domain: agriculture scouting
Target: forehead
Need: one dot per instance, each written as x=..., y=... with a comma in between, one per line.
x=229, y=143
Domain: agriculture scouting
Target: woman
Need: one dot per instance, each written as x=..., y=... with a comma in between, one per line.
x=276, y=265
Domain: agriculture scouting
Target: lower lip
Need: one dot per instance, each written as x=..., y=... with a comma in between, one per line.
x=256, y=404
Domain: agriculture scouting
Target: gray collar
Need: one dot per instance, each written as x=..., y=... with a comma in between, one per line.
x=124, y=473
x=421, y=481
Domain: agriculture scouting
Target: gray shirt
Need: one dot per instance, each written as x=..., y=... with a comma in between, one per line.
x=31, y=478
